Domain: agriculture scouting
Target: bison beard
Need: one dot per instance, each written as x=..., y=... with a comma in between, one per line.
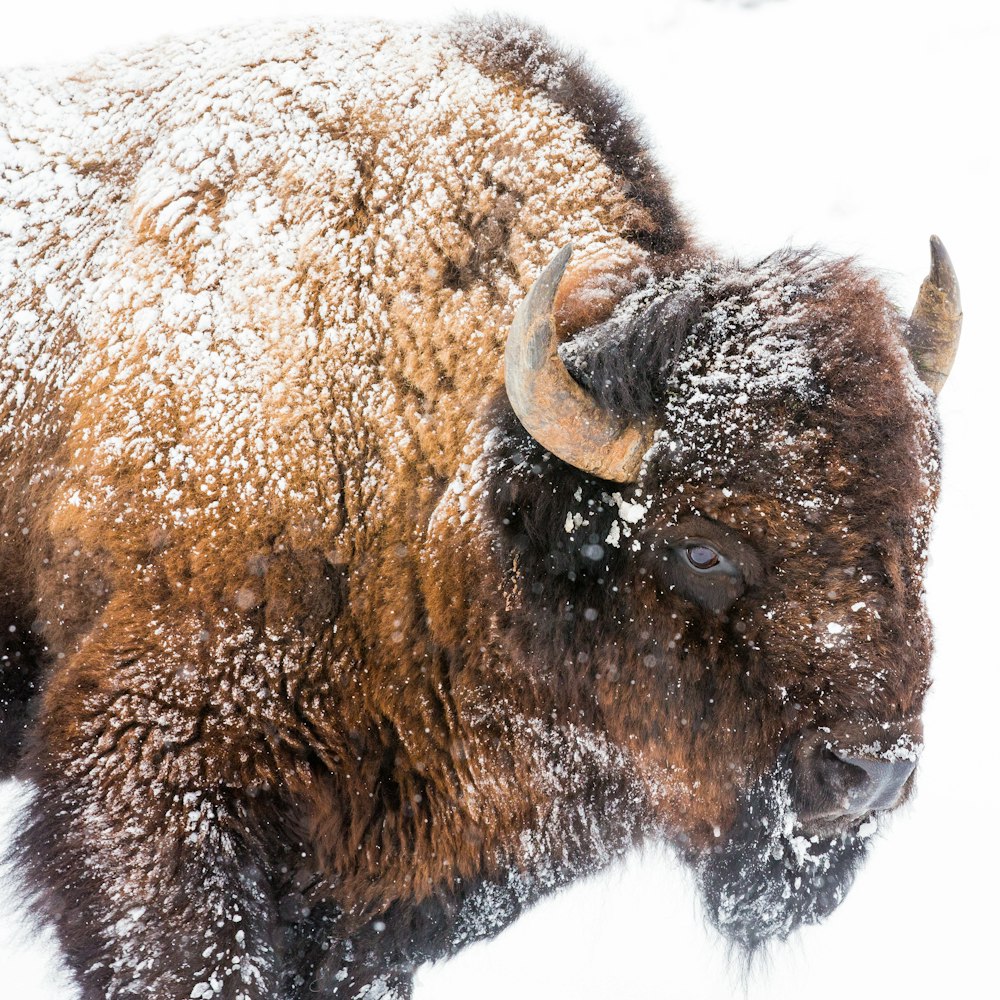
x=770, y=876
x=330, y=645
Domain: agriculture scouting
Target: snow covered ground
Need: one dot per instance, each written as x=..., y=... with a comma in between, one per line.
x=862, y=125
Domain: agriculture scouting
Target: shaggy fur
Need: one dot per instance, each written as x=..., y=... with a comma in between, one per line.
x=339, y=669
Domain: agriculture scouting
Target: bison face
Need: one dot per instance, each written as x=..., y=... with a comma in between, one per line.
x=741, y=613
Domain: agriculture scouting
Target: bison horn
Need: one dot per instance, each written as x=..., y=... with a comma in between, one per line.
x=554, y=409
x=936, y=321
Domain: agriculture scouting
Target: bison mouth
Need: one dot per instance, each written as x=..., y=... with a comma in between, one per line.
x=770, y=875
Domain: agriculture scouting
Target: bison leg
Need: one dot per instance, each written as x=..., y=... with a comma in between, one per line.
x=138, y=850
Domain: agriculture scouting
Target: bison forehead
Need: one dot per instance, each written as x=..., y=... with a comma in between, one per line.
x=789, y=376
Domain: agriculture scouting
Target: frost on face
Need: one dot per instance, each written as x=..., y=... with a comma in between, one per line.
x=627, y=514
x=905, y=747
x=749, y=349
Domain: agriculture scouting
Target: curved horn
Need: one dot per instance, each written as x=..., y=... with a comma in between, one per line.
x=936, y=320
x=553, y=408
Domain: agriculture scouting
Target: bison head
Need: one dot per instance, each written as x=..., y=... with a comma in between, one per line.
x=717, y=504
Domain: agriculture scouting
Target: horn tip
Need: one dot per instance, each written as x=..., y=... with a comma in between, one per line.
x=942, y=270
x=543, y=292
x=565, y=252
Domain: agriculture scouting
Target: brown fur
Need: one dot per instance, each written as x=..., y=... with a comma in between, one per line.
x=329, y=686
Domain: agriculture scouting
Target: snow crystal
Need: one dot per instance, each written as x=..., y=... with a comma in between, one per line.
x=904, y=747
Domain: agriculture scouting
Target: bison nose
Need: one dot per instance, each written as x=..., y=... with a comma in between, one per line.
x=869, y=783
x=849, y=785
x=839, y=776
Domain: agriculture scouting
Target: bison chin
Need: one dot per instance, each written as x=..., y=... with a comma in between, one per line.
x=770, y=875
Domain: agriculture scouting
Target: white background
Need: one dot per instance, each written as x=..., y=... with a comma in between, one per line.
x=861, y=125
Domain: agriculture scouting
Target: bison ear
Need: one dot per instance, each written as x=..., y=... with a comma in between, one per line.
x=936, y=321
x=554, y=409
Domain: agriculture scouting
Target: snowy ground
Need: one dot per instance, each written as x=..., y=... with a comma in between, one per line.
x=863, y=125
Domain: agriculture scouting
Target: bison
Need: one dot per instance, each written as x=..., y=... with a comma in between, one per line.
x=403, y=515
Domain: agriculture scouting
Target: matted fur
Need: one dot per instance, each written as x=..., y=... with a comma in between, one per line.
x=340, y=670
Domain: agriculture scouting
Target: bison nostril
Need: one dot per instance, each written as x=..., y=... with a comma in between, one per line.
x=839, y=781
x=877, y=782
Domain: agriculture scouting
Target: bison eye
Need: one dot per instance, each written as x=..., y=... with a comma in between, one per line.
x=702, y=556
x=697, y=570
x=706, y=560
